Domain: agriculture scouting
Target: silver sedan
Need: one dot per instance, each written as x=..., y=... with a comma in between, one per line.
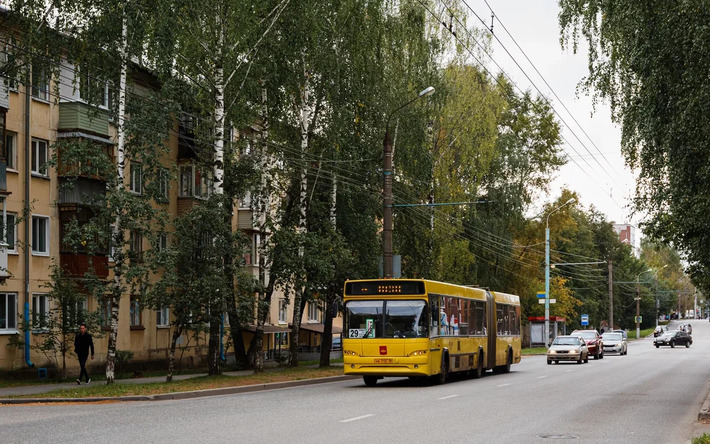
x=615, y=343
x=568, y=348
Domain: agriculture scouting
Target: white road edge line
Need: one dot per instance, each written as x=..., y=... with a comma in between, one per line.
x=503, y=385
x=541, y=377
x=447, y=397
x=357, y=418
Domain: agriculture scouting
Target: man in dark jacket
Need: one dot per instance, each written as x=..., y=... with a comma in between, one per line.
x=82, y=344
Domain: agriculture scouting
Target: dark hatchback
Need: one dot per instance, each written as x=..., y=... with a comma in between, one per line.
x=673, y=338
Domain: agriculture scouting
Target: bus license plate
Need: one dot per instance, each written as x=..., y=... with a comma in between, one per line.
x=383, y=361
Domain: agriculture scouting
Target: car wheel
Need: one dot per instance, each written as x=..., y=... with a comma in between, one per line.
x=672, y=344
x=596, y=353
x=441, y=377
x=687, y=344
x=508, y=362
x=586, y=358
x=579, y=361
x=370, y=381
x=657, y=345
x=557, y=362
x=549, y=362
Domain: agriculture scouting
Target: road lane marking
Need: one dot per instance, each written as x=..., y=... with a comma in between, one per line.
x=503, y=385
x=541, y=377
x=357, y=418
x=447, y=397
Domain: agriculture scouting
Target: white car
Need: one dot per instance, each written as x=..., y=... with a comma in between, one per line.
x=615, y=343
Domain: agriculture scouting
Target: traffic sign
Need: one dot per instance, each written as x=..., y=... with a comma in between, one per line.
x=541, y=295
x=585, y=319
x=542, y=301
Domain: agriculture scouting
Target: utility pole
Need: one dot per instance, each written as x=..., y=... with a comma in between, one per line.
x=611, y=297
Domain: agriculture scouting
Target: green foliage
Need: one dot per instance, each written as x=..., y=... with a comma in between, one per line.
x=648, y=60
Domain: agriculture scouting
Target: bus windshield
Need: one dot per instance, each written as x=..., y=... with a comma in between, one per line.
x=387, y=319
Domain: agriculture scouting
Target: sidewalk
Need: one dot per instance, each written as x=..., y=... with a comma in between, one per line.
x=5, y=393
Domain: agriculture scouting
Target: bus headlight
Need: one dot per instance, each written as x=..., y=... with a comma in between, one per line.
x=418, y=353
x=349, y=353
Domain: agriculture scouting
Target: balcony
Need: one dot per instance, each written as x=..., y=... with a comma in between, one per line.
x=79, y=264
x=82, y=118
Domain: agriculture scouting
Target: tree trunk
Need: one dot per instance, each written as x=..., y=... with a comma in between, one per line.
x=118, y=268
x=303, y=194
x=171, y=357
x=326, y=342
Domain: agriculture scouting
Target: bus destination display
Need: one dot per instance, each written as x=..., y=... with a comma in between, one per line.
x=384, y=287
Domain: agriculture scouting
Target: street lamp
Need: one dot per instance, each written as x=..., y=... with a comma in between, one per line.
x=638, y=300
x=547, y=270
x=387, y=190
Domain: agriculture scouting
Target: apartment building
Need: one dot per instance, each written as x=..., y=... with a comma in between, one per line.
x=31, y=121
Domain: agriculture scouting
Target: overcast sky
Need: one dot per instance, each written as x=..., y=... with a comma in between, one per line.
x=596, y=169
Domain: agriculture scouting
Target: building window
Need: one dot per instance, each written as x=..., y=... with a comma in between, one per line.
x=92, y=90
x=106, y=312
x=11, y=67
x=313, y=311
x=163, y=317
x=283, y=310
x=136, y=319
x=74, y=312
x=10, y=232
x=136, y=245
x=137, y=178
x=8, y=311
x=11, y=150
x=193, y=182
x=40, y=235
x=162, y=242
x=40, y=85
x=164, y=191
x=40, y=310
x=40, y=155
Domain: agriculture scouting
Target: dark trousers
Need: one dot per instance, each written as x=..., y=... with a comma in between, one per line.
x=82, y=363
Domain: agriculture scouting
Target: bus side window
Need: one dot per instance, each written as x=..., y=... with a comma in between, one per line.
x=434, y=319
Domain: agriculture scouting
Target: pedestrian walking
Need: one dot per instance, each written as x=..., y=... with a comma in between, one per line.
x=82, y=344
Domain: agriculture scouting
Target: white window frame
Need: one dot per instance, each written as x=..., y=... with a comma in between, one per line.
x=35, y=250
x=11, y=150
x=283, y=311
x=188, y=183
x=164, y=183
x=9, y=300
x=39, y=146
x=40, y=305
x=162, y=318
x=82, y=79
x=11, y=247
x=40, y=92
x=136, y=185
x=136, y=318
x=313, y=311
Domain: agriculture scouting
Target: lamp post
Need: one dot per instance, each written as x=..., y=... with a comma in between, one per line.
x=387, y=190
x=547, y=270
x=638, y=300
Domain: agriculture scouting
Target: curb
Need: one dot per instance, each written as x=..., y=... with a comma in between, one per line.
x=704, y=414
x=184, y=395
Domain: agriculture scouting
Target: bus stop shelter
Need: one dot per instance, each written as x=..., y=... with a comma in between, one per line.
x=558, y=326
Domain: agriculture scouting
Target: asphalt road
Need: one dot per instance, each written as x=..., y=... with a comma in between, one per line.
x=650, y=396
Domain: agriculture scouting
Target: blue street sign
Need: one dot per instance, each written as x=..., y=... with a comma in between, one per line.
x=585, y=319
x=541, y=295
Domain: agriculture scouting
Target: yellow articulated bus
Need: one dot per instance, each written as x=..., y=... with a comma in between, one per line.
x=421, y=328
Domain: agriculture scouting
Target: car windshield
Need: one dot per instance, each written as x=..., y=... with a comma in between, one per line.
x=566, y=341
x=668, y=334
x=612, y=337
x=586, y=334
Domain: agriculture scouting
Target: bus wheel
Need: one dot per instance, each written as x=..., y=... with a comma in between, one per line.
x=370, y=381
x=443, y=376
x=508, y=362
x=478, y=372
